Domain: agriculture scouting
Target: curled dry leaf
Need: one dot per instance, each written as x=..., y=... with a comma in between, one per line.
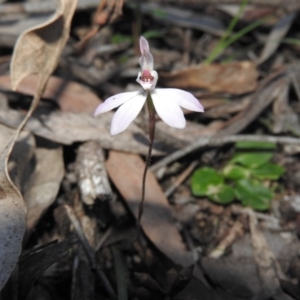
x=235, y=78
x=12, y=212
x=38, y=49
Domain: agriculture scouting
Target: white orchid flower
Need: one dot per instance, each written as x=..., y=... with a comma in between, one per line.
x=166, y=102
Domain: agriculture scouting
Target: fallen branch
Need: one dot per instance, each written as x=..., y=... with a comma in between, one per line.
x=219, y=141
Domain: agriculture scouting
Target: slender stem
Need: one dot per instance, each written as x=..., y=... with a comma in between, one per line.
x=151, y=112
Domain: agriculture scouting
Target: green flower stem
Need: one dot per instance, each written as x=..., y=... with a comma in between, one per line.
x=151, y=112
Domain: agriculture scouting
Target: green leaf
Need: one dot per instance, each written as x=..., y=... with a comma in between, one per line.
x=204, y=180
x=121, y=38
x=255, y=145
x=159, y=13
x=208, y=182
x=253, y=159
x=268, y=171
x=236, y=172
x=222, y=194
x=253, y=194
x=150, y=34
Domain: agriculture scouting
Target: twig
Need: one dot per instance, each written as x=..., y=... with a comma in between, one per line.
x=234, y=233
x=219, y=141
x=120, y=270
x=89, y=252
x=181, y=178
x=107, y=12
x=289, y=4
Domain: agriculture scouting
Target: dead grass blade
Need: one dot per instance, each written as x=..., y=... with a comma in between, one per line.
x=276, y=35
x=34, y=264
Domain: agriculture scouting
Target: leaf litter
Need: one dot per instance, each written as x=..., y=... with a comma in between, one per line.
x=81, y=186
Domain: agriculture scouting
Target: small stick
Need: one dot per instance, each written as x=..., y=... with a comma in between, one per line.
x=234, y=233
x=219, y=141
x=181, y=178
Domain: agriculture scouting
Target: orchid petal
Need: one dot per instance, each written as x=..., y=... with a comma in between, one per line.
x=146, y=60
x=127, y=113
x=115, y=101
x=183, y=98
x=169, y=111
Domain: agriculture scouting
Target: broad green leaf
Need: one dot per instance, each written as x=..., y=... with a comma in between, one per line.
x=222, y=194
x=253, y=194
x=236, y=172
x=204, y=180
x=252, y=159
x=255, y=145
x=268, y=171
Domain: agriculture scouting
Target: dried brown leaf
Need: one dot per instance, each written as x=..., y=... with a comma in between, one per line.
x=43, y=185
x=236, y=78
x=266, y=262
x=126, y=172
x=146, y=281
x=38, y=49
x=182, y=280
x=70, y=96
x=67, y=128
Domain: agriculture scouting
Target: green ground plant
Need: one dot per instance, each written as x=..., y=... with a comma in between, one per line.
x=247, y=177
